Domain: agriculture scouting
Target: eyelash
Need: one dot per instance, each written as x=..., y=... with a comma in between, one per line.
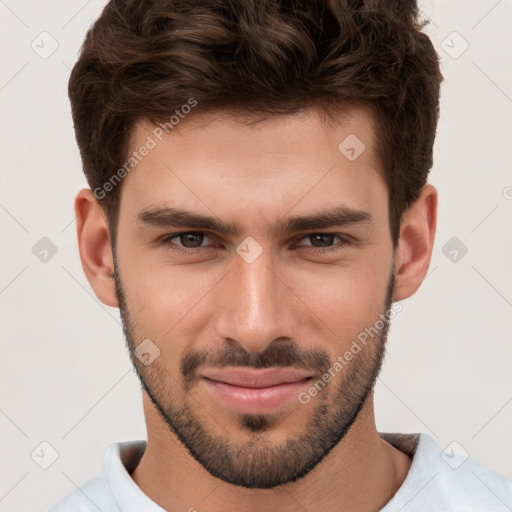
x=166, y=241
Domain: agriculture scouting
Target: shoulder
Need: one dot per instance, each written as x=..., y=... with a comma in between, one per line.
x=441, y=480
x=113, y=490
x=475, y=487
x=92, y=496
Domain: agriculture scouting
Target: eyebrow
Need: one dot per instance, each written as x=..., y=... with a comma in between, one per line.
x=178, y=218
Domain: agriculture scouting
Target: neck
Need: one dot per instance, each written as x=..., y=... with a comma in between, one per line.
x=363, y=472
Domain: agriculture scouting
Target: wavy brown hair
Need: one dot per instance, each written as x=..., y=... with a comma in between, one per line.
x=143, y=59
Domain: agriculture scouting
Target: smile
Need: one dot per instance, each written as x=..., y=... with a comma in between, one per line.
x=253, y=391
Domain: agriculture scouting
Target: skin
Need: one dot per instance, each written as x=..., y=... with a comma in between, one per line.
x=216, y=164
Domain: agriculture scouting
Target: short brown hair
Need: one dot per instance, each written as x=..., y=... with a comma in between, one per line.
x=143, y=59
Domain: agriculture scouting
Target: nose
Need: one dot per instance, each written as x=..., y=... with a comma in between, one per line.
x=256, y=306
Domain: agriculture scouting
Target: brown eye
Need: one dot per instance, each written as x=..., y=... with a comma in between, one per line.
x=186, y=239
x=191, y=240
x=322, y=239
x=325, y=240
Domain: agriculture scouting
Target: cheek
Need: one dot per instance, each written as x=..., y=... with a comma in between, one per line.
x=164, y=304
x=344, y=300
x=160, y=293
x=348, y=305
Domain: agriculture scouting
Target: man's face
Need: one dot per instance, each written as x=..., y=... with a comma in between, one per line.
x=249, y=305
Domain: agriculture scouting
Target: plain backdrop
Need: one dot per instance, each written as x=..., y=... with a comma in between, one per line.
x=66, y=378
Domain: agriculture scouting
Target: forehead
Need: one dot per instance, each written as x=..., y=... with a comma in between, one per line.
x=219, y=160
x=297, y=133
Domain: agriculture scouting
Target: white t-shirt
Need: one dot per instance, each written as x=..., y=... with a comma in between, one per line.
x=440, y=481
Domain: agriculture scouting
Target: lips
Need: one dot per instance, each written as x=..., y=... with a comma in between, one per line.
x=255, y=378
x=255, y=391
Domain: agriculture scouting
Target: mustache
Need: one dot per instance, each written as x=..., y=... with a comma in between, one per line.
x=277, y=354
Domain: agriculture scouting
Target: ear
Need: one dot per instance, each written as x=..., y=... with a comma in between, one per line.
x=414, y=250
x=94, y=246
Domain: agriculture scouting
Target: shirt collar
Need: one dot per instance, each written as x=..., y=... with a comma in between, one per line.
x=122, y=458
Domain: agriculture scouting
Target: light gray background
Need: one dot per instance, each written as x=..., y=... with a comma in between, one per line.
x=66, y=376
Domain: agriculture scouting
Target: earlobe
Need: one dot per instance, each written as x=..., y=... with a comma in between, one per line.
x=94, y=246
x=414, y=250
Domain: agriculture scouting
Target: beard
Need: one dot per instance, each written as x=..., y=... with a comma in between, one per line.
x=259, y=462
